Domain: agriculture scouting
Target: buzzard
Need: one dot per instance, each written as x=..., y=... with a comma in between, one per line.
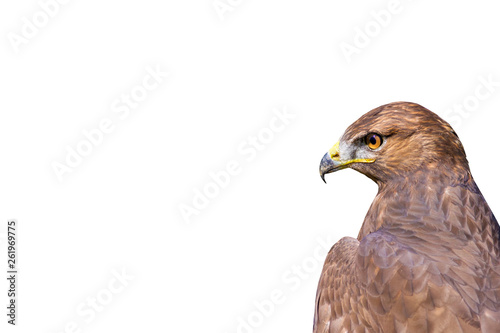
x=427, y=256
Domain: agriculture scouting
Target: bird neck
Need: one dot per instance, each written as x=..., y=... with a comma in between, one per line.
x=428, y=202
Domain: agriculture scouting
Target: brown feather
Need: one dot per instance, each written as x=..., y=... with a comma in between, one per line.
x=427, y=255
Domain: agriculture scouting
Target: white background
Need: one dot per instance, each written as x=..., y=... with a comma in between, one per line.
x=119, y=208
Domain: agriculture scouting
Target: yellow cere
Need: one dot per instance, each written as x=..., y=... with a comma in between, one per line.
x=334, y=151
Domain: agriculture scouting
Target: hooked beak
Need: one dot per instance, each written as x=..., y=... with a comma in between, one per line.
x=331, y=162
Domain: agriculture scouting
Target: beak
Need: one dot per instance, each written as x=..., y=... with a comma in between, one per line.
x=331, y=162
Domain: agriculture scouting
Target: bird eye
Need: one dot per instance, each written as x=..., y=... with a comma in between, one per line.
x=373, y=141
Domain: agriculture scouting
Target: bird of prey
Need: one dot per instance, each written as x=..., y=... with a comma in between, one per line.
x=427, y=255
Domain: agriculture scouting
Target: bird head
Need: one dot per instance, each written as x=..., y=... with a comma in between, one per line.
x=397, y=140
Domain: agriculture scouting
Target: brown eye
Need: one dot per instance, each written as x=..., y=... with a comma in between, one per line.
x=373, y=141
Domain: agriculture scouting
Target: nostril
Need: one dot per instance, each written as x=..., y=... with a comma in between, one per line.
x=334, y=151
